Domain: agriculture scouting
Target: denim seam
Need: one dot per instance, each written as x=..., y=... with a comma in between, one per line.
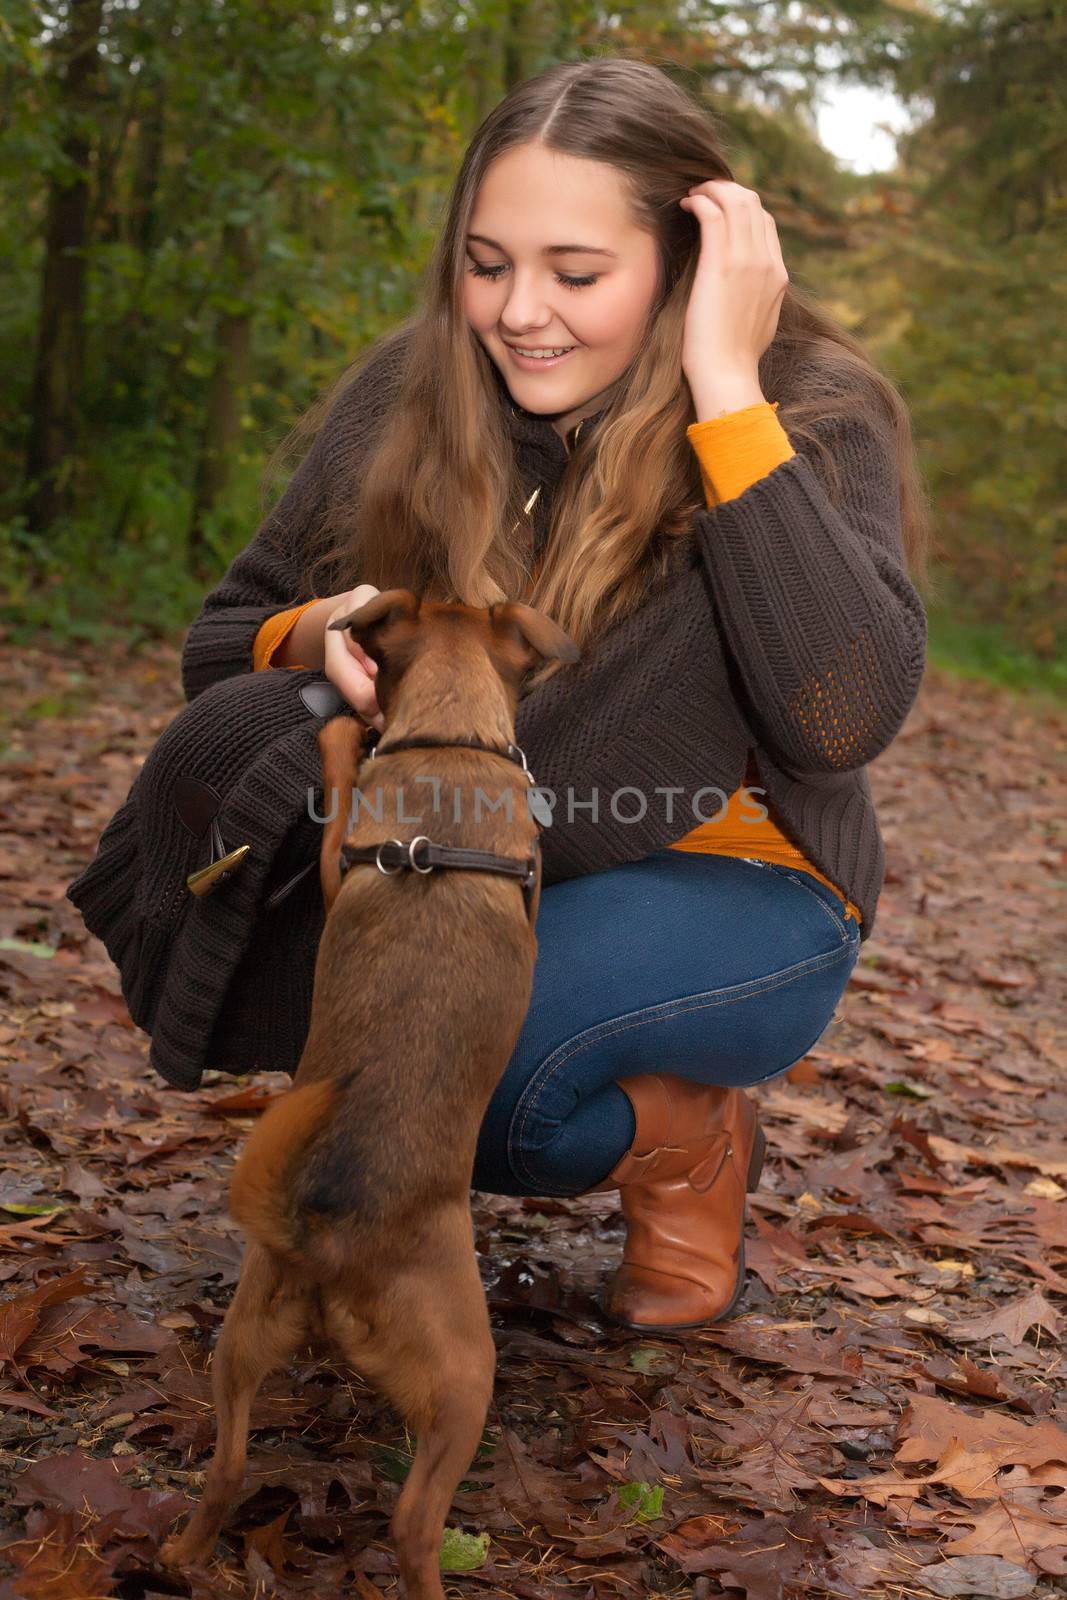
x=646, y=1014
x=796, y=876
x=777, y=1071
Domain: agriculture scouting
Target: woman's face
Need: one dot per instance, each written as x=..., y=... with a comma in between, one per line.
x=522, y=289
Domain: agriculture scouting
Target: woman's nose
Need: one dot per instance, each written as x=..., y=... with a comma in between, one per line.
x=526, y=309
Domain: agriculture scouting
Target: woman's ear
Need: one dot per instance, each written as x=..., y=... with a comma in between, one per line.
x=537, y=636
x=368, y=622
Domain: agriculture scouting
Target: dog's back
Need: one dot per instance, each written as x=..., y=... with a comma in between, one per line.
x=421, y=987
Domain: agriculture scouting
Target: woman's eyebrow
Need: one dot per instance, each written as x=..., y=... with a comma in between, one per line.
x=550, y=249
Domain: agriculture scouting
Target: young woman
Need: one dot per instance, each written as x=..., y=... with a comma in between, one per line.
x=591, y=403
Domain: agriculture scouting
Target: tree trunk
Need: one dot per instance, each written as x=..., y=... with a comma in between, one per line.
x=142, y=214
x=60, y=352
x=222, y=424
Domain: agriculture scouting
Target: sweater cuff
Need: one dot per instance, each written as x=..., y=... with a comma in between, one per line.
x=736, y=450
x=271, y=634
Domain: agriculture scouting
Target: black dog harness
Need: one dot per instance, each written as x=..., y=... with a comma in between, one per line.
x=423, y=853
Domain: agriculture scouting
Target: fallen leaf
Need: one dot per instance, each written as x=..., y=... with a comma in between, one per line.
x=989, y=1576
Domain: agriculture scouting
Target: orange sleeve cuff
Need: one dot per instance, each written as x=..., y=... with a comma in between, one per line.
x=737, y=450
x=271, y=634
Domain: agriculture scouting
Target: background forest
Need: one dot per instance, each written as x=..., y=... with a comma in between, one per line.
x=208, y=207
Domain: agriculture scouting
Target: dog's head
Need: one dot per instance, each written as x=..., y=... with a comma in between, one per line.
x=394, y=628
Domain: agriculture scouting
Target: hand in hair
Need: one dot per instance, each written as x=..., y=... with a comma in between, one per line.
x=736, y=297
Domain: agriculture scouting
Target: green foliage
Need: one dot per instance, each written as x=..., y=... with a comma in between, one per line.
x=644, y=1500
x=463, y=1552
x=958, y=283
x=976, y=337
x=264, y=191
x=649, y=1359
x=984, y=650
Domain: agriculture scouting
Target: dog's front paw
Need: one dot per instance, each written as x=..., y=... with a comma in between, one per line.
x=183, y=1550
x=170, y=1553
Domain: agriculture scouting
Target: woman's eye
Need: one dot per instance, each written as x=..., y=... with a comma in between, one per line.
x=567, y=282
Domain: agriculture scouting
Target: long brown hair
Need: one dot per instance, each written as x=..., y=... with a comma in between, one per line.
x=439, y=506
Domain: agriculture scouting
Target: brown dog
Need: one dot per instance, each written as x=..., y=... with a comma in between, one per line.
x=354, y=1188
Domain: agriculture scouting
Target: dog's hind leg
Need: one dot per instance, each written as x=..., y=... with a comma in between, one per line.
x=428, y=1345
x=269, y=1317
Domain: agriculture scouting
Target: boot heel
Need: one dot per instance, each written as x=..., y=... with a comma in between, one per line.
x=755, y=1165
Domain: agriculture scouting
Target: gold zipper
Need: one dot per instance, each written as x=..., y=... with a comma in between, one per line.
x=528, y=507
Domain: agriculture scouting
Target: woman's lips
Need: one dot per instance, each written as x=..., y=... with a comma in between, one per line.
x=539, y=363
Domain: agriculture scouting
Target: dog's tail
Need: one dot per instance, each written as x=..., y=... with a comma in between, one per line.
x=260, y=1189
x=340, y=745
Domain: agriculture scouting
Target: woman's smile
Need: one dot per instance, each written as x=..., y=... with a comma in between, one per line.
x=530, y=363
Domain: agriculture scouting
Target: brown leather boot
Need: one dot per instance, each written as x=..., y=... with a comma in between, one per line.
x=696, y=1151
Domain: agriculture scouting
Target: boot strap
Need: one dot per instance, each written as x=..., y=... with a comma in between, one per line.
x=707, y=1170
x=637, y=1168
x=634, y=1167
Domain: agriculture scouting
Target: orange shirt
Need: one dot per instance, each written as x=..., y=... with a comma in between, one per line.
x=271, y=634
x=734, y=452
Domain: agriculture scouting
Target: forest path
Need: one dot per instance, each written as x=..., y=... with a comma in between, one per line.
x=885, y=1414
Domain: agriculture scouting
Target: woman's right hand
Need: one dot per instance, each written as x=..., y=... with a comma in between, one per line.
x=347, y=666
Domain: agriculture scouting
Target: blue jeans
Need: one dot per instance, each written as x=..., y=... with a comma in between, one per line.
x=713, y=967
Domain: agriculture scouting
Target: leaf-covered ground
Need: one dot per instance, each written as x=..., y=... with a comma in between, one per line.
x=884, y=1417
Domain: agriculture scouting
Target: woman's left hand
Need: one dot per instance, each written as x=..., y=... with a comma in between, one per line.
x=736, y=296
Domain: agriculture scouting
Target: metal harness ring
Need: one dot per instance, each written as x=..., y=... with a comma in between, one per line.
x=389, y=872
x=418, y=839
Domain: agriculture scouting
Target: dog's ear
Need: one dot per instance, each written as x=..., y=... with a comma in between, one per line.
x=539, y=638
x=369, y=621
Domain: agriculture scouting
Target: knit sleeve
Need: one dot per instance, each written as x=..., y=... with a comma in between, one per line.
x=826, y=629
x=264, y=578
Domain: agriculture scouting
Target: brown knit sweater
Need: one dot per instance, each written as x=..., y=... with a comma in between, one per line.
x=789, y=626
x=734, y=451
x=786, y=629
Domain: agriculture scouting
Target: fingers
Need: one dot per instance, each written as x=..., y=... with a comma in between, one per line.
x=358, y=690
x=348, y=666
x=740, y=209
x=346, y=671
x=356, y=650
x=750, y=231
x=358, y=597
